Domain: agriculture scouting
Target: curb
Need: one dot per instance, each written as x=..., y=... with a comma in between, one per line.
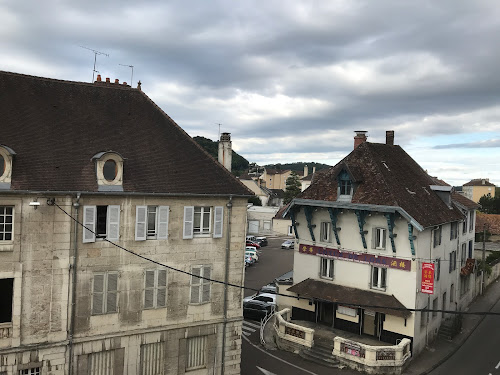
x=453, y=351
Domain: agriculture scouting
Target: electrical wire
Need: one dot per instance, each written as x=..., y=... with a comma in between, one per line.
x=364, y=306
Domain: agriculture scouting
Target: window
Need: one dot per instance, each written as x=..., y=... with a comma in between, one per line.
x=325, y=232
x=30, y=371
x=347, y=311
x=379, y=278
x=435, y=307
x=267, y=224
x=155, y=289
x=6, y=295
x=454, y=231
x=109, y=171
x=326, y=268
x=437, y=231
x=6, y=155
x=196, y=352
x=344, y=190
x=153, y=357
x=198, y=221
x=200, y=287
x=463, y=254
x=453, y=261
x=345, y=187
x=464, y=223
x=6, y=222
x=437, y=274
x=151, y=222
x=471, y=248
x=471, y=221
x=378, y=241
x=101, y=222
x=452, y=293
x=105, y=293
x=464, y=284
x=423, y=318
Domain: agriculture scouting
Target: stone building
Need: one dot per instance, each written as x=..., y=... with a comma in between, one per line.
x=74, y=303
x=366, y=228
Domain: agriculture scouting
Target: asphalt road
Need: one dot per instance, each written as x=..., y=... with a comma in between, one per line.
x=255, y=360
x=479, y=354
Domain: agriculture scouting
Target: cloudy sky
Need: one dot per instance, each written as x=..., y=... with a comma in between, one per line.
x=291, y=80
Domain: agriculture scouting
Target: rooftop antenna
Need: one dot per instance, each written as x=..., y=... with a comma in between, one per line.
x=218, y=136
x=132, y=75
x=95, y=59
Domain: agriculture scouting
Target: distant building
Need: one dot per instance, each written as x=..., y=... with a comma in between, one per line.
x=475, y=189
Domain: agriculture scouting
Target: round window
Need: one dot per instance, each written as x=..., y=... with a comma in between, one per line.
x=109, y=170
x=2, y=165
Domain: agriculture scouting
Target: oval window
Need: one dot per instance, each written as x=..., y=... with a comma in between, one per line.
x=2, y=165
x=109, y=170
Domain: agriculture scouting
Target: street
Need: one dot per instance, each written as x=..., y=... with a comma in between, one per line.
x=273, y=262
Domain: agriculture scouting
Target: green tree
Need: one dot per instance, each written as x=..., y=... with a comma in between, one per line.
x=292, y=187
x=255, y=200
x=489, y=205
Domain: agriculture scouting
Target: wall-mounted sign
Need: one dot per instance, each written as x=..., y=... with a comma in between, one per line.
x=376, y=260
x=427, y=278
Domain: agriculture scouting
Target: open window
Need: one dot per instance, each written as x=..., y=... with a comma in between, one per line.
x=6, y=293
x=101, y=222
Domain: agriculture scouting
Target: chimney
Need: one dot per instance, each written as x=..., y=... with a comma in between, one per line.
x=359, y=138
x=306, y=170
x=225, y=150
x=314, y=170
x=139, y=86
x=107, y=80
x=389, y=137
x=117, y=81
x=98, y=78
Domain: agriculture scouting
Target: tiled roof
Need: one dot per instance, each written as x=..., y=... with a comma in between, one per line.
x=311, y=288
x=478, y=182
x=387, y=176
x=281, y=211
x=55, y=127
x=464, y=201
x=278, y=193
x=492, y=222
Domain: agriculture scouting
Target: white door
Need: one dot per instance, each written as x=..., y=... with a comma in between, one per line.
x=253, y=226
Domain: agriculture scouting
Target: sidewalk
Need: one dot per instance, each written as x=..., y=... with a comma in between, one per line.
x=441, y=349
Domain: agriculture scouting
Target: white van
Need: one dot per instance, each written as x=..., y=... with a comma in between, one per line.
x=251, y=238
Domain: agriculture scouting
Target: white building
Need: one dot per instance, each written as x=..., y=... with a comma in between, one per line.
x=72, y=302
x=365, y=228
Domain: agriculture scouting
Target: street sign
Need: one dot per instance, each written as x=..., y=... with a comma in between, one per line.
x=427, y=278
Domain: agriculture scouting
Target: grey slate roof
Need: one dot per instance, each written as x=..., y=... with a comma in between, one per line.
x=55, y=127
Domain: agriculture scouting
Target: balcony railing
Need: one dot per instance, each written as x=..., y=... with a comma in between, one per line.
x=5, y=330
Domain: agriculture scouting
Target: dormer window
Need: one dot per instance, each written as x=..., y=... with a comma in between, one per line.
x=109, y=171
x=345, y=186
x=6, y=156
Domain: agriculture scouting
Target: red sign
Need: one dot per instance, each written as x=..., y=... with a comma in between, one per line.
x=375, y=260
x=427, y=278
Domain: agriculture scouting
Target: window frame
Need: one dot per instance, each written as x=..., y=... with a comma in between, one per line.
x=201, y=283
x=381, y=278
x=437, y=273
x=5, y=215
x=201, y=213
x=325, y=232
x=378, y=237
x=105, y=293
x=156, y=288
x=437, y=234
x=327, y=265
x=90, y=223
x=454, y=230
x=463, y=254
x=192, y=345
x=5, y=304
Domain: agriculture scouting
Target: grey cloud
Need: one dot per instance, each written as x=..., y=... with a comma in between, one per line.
x=493, y=143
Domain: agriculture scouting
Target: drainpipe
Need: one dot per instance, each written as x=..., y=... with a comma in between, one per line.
x=73, y=268
x=229, y=206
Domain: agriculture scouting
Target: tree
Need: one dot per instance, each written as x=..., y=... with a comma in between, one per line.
x=489, y=205
x=255, y=200
x=293, y=186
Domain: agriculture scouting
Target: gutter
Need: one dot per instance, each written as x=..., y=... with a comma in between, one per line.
x=73, y=269
x=49, y=193
x=229, y=206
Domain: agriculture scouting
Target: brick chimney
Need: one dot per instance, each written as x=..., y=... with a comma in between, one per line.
x=98, y=78
x=389, y=137
x=225, y=150
x=360, y=137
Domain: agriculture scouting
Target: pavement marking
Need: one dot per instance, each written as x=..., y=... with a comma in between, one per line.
x=246, y=333
x=278, y=358
x=254, y=325
x=497, y=366
x=265, y=372
x=247, y=330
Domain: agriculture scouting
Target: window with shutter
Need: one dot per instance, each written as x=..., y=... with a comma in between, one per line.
x=112, y=292
x=163, y=213
x=200, y=288
x=218, y=221
x=105, y=293
x=89, y=218
x=155, y=289
x=140, y=223
x=113, y=223
x=101, y=222
x=187, y=231
x=206, y=284
x=149, y=289
x=161, y=294
x=98, y=294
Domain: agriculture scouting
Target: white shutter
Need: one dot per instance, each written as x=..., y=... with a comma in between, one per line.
x=206, y=284
x=149, y=289
x=140, y=223
x=98, y=294
x=162, y=222
x=188, y=222
x=195, y=285
x=218, y=223
x=161, y=296
x=112, y=292
x=113, y=223
x=89, y=219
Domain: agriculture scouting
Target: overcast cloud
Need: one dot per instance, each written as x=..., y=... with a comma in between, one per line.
x=291, y=80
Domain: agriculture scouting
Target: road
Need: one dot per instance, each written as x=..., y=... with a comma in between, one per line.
x=479, y=354
x=255, y=360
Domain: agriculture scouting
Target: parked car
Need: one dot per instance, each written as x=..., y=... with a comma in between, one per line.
x=252, y=254
x=252, y=248
x=262, y=241
x=251, y=238
x=252, y=243
x=254, y=309
x=263, y=297
x=269, y=288
x=249, y=259
x=288, y=244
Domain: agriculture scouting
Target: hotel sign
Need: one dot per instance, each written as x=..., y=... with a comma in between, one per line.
x=427, y=278
x=372, y=259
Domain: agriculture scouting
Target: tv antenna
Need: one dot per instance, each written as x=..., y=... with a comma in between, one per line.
x=132, y=75
x=95, y=59
x=218, y=136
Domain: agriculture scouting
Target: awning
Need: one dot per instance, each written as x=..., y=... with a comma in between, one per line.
x=383, y=303
x=468, y=268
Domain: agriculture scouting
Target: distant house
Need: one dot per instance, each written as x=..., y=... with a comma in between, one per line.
x=282, y=226
x=475, y=189
x=370, y=228
x=276, y=178
x=263, y=193
x=260, y=220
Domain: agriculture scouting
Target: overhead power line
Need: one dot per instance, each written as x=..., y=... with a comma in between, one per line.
x=364, y=306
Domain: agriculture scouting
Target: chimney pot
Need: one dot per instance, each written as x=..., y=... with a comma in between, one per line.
x=359, y=138
x=225, y=151
x=98, y=78
x=139, y=85
x=389, y=137
x=107, y=80
x=306, y=170
x=117, y=80
x=124, y=83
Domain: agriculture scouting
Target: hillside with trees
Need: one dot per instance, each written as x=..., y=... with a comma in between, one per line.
x=298, y=166
x=239, y=164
